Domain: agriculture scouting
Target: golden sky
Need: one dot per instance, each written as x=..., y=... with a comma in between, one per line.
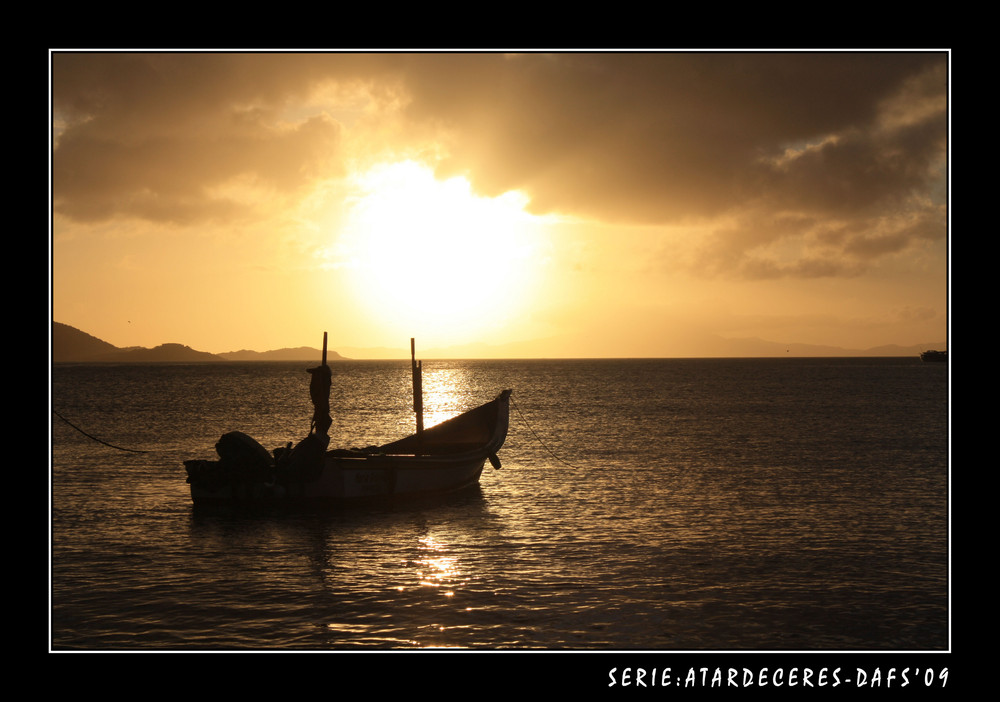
x=545, y=204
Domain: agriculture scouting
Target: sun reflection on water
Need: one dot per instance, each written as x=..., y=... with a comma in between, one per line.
x=447, y=393
x=437, y=568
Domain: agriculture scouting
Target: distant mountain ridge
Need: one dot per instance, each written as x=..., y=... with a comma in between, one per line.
x=70, y=345
x=301, y=353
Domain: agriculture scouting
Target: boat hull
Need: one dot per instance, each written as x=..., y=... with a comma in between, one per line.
x=447, y=458
x=346, y=480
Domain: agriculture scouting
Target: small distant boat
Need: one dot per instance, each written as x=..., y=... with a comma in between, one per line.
x=438, y=460
x=934, y=356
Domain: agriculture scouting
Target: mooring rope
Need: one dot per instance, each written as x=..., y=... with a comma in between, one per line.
x=519, y=412
x=539, y=439
x=119, y=448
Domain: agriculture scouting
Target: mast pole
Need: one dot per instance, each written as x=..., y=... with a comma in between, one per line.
x=319, y=393
x=418, y=390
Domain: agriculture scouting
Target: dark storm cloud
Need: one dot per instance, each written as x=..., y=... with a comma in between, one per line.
x=644, y=137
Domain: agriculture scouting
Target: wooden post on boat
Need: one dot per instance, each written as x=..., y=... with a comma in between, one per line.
x=418, y=387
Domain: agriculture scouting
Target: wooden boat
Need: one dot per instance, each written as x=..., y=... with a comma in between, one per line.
x=934, y=356
x=441, y=459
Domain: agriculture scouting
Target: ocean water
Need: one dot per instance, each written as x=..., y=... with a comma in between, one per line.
x=643, y=505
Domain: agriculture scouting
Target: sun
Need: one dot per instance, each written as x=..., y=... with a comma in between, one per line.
x=431, y=258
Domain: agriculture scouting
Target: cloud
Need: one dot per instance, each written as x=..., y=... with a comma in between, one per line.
x=662, y=137
x=157, y=138
x=813, y=143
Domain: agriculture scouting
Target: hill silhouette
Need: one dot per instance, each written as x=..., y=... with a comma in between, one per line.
x=300, y=353
x=70, y=345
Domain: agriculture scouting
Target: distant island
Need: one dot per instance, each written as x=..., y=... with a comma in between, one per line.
x=70, y=345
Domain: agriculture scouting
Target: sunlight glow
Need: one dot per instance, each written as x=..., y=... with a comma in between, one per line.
x=433, y=258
